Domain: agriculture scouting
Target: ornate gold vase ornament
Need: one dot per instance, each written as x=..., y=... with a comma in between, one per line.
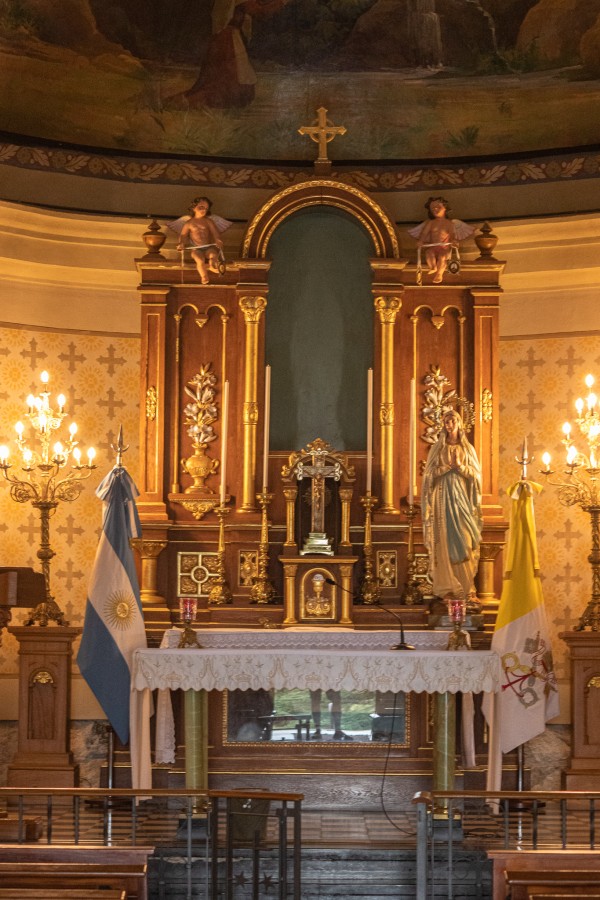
x=199, y=416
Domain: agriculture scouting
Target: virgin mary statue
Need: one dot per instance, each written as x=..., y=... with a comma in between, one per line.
x=451, y=511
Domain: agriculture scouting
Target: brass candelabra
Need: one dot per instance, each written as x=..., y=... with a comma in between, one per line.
x=370, y=590
x=220, y=594
x=45, y=481
x=411, y=594
x=578, y=485
x=262, y=591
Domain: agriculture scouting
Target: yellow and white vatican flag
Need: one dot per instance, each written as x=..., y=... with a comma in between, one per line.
x=528, y=697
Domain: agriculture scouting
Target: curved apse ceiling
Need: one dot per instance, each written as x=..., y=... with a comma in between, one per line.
x=409, y=79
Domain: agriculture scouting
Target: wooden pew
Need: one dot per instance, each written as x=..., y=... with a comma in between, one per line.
x=539, y=861
x=128, y=878
x=523, y=884
x=83, y=866
x=60, y=894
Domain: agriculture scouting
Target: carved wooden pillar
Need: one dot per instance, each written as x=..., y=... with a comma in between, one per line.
x=486, y=433
x=252, y=307
x=43, y=756
x=153, y=435
x=387, y=307
x=157, y=616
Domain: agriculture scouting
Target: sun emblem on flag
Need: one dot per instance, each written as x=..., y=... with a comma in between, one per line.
x=120, y=609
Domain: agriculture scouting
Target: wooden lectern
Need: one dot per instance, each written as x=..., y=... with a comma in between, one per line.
x=43, y=756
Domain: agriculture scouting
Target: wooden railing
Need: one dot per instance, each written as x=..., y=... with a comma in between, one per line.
x=520, y=831
x=85, y=827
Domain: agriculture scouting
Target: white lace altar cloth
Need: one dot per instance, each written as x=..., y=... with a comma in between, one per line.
x=219, y=669
x=312, y=638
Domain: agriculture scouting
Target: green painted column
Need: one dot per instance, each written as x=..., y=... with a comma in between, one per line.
x=444, y=741
x=196, y=740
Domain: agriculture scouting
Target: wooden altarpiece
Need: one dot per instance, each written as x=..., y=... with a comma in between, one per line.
x=197, y=337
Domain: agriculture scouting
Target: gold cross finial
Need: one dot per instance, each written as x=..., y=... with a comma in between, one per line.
x=322, y=132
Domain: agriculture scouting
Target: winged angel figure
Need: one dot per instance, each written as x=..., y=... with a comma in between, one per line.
x=201, y=233
x=439, y=236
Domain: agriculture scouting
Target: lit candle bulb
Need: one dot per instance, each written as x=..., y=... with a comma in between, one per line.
x=43, y=421
x=44, y=377
x=546, y=460
x=19, y=428
x=77, y=456
x=579, y=405
x=566, y=429
x=59, y=449
x=589, y=381
x=91, y=454
x=4, y=453
x=571, y=455
x=61, y=400
x=591, y=401
x=73, y=429
x=593, y=463
x=27, y=457
x=30, y=402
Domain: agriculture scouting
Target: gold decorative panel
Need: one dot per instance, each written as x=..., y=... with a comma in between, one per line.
x=195, y=571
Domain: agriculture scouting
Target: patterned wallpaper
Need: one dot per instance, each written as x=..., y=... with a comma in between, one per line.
x=99, y=375
x=540, y=379
x=539, y=382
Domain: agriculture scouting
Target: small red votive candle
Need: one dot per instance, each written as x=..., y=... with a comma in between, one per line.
x=187, y=609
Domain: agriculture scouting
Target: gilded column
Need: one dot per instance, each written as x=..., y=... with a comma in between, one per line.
x=346, y=592
x=149, y=552
x=290, y=495
x=345, y=497
x=387, y=308
x=252, y=308
x=289, y=600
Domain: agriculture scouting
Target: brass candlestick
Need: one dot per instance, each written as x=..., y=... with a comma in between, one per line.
x=411, y=594
x=262, y=590
x=44, y=483
x=219, y=594
x=370, y=590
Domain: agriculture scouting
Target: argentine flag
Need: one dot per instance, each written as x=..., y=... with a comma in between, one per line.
x=114, y=624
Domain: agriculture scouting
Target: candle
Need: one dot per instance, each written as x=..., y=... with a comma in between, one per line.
x=224, y=413
x=369, y=430
x=265, y=479
x=412, y=428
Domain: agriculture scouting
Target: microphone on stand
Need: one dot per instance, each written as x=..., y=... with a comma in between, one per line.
x=402, y=645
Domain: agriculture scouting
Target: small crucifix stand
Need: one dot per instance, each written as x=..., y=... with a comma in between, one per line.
x=317, y=541
x=322, y=132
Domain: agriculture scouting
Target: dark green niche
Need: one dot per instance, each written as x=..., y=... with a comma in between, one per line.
x=319, y=330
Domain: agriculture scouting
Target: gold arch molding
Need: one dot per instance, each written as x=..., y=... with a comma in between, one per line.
x=321, y=192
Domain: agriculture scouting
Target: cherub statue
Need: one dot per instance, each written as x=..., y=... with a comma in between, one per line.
x=438, y=236
x=201, y=232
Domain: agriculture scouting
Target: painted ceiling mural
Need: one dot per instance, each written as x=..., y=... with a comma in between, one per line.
x=409, y=79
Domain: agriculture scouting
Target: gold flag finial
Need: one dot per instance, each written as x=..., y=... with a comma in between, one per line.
x=120, y=447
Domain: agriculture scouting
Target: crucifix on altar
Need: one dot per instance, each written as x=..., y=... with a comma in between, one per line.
x=317, y=540
x=322, y=132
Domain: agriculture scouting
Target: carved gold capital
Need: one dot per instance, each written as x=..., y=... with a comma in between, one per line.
x=198, y=508
x=489, y=551
x=252, y=307
x=346, y=570
x=250, y=412
x=148, y=548
x=42, y=676
x=387, y=308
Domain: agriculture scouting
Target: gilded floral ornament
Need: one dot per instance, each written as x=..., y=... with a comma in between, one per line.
x=199, y=416
x=438, y=401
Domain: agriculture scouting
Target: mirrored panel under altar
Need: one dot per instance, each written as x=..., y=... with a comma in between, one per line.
x=339, y=717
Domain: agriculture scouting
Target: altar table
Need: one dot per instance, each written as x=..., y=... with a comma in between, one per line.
x=328, y=659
